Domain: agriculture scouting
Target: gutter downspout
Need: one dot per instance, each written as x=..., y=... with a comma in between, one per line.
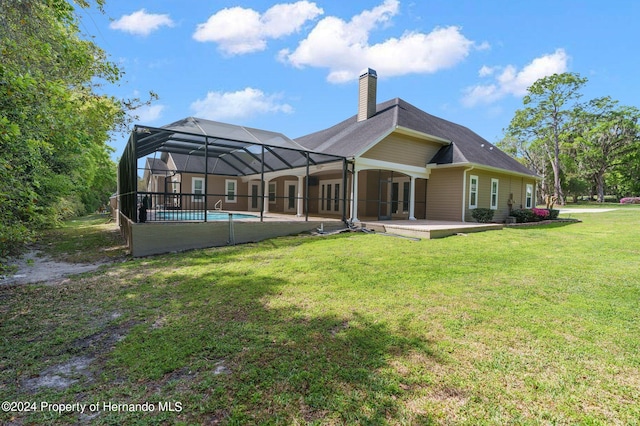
x=464, y=191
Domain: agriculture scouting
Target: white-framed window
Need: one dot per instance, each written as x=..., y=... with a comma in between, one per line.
x=272, y=192
x=197, y=188
x=494, y=194
x=528, y=197
x=230, y=190
x=473, y=192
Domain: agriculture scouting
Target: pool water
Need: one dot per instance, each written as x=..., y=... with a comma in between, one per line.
x=179, y=215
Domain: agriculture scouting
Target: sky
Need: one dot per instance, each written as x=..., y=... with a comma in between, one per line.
x=292, y=67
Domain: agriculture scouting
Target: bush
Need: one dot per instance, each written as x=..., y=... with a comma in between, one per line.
x=534, y=215
x=482, y=215
x=523, y=215
x=630, y=200
x=540, y=214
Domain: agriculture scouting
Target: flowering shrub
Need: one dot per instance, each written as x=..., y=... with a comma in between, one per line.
x=630, y=200
x=534, y=214
x=540, y=214
x=522, y=215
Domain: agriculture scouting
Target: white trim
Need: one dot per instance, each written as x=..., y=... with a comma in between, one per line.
x=415, y=133
x=200, y=197
x=275, y=192
x=471, y=191
x=252, y=198
x=431, y=166
x=287, y=184
x=528, y=196
x=367, y=164
x=329, y=198
x=234, y=198
x=492, y=205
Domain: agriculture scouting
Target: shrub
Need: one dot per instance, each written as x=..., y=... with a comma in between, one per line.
x=482, y=215
x=522, y=215
x=534, y=214
x=540, y=214
x=630, y=200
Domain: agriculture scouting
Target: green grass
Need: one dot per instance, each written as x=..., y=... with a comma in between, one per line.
x=535, y=325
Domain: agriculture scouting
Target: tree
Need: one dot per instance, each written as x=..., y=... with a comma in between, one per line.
x=605, y=134
x=545, y=120
x=54, y=127
x=532, y=155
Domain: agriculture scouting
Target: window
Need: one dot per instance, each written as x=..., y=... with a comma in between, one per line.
x=473, y=192
x=230, y=193
x=272, y=193
x=494, y=194
x=528, y=199
x=197, y=187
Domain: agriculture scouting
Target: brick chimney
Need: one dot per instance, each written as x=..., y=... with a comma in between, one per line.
x=367, y=87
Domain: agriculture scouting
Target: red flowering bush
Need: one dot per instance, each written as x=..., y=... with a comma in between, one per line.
x=540, y=214
x=630, y=200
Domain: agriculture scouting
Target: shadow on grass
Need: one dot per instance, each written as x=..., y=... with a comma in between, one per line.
x=230, y=344
x=280, y=365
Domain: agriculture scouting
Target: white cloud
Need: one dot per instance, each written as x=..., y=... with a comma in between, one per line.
x=141, y=23
x=513, y=82
x=240, y=104
x=149, y=113
x=343, y=47
x=486, y=71
x=239, y=30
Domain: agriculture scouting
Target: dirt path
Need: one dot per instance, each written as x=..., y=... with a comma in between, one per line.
x=35, y=267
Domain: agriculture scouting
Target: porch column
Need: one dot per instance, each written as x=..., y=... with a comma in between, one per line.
x=412, y=200
x=354, y=197
x=265, y=197
x=300, y=199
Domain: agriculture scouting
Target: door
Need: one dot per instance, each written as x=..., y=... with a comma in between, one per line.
x=255, y=196
x=291, y=194
x=385, y=199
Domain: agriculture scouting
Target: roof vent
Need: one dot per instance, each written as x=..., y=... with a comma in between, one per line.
x=367, y=88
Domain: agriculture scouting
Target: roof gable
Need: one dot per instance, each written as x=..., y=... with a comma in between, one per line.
x=351, y=138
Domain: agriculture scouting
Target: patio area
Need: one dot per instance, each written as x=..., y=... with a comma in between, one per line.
x=428, y=229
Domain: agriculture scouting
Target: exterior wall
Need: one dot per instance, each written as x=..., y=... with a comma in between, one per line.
x=444, y=194
x=153, y=238
x=509, y=186
x=402, y=149
x=216, y=191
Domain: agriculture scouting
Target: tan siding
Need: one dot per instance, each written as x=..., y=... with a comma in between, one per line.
x=403, y=149
x=444, y=192
x=508, y=185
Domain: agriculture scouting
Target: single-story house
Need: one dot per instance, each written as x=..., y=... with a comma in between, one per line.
x=391, y=160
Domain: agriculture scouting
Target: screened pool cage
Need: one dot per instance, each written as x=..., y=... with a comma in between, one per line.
x=194, y=169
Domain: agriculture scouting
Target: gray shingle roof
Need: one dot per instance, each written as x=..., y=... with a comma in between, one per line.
x=351, y=138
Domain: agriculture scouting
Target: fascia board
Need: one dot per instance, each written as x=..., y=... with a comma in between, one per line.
x=432, y=166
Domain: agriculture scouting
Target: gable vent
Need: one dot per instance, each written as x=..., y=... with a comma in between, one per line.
x=367, y=88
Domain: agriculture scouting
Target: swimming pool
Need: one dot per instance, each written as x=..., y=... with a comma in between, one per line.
x=186, y=215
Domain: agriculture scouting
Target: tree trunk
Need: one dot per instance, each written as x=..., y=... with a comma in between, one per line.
x=599, y=178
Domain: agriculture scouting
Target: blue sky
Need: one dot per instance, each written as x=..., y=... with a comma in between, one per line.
x=293, y=67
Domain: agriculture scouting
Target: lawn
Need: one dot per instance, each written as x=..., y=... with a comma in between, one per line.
x=527, y=325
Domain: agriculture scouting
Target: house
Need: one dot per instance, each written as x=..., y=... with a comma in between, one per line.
x=390, y=160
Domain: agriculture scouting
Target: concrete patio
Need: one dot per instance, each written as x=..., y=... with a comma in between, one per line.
x=428, y=229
